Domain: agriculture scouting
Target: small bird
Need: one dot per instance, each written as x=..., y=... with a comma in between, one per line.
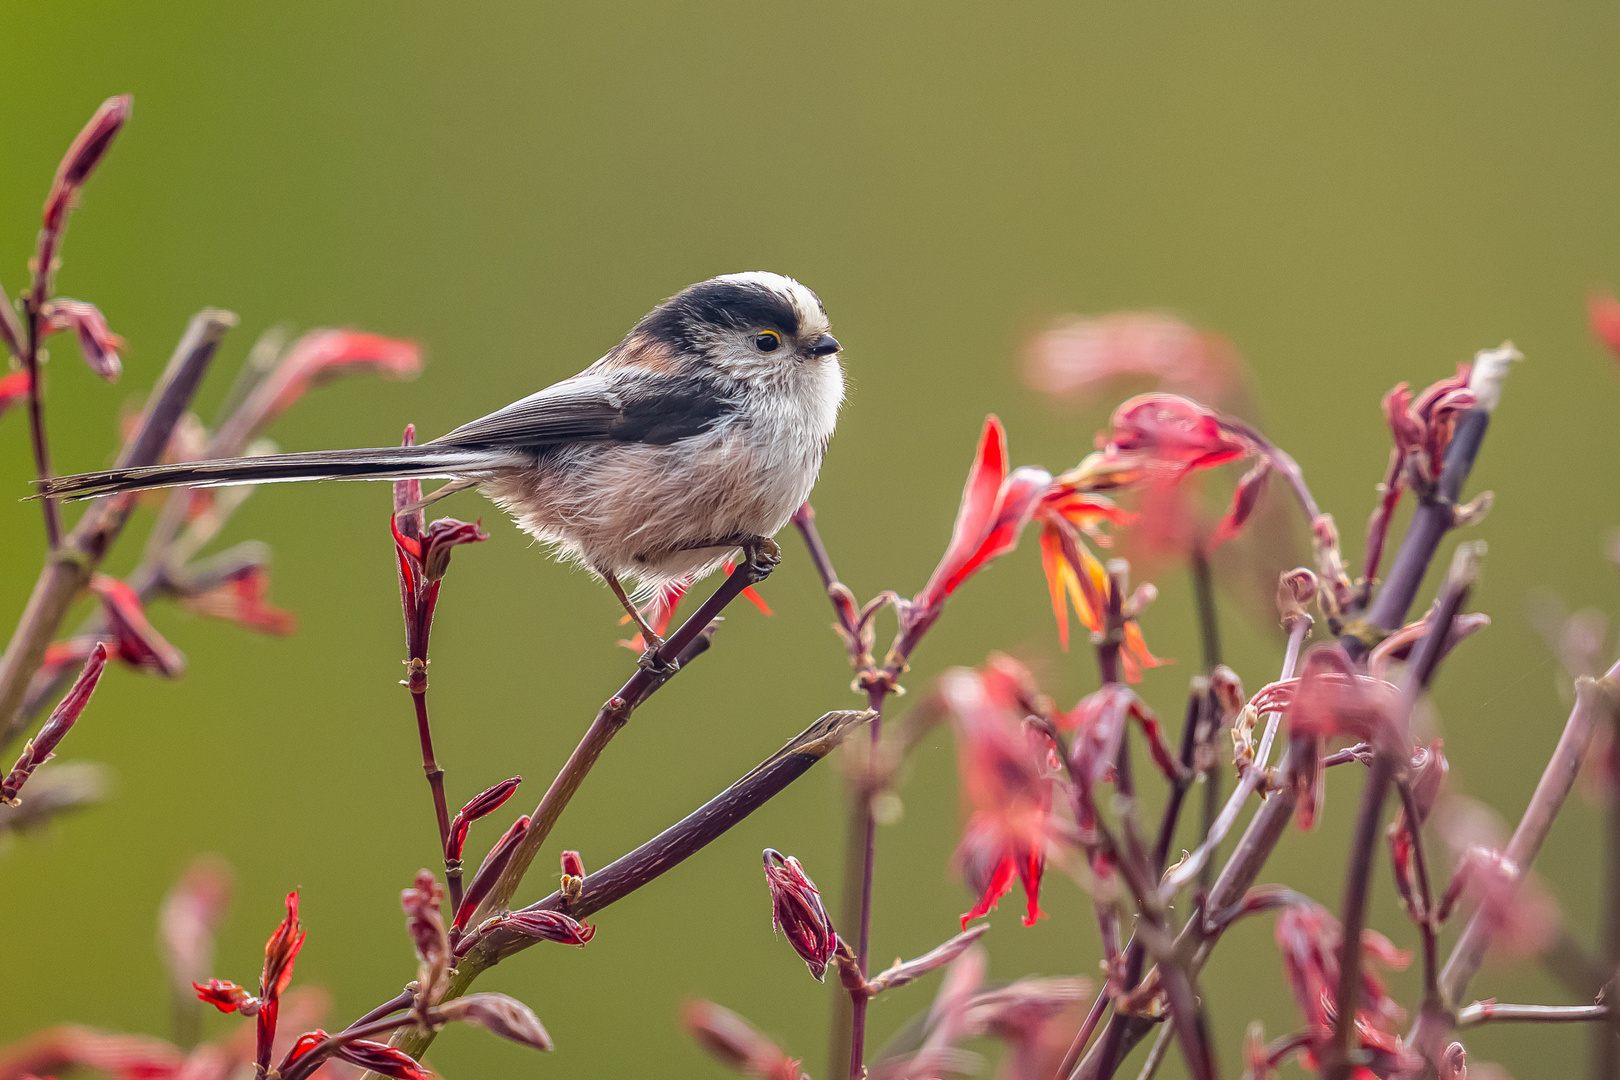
x=698, y=434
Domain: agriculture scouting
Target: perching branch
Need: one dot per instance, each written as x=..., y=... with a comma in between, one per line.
x=680, y=648
x=659, y=855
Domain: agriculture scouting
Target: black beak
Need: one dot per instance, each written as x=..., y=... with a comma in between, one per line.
x=825, y=345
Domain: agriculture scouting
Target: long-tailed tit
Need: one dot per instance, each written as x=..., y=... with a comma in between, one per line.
x=698, y=434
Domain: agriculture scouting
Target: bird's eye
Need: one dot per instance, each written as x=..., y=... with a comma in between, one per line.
x=767, y=341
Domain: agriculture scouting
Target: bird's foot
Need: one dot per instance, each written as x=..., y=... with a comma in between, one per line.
x=760, y=556
x=652, y=663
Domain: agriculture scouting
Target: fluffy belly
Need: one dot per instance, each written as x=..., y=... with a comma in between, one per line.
x=655, y=514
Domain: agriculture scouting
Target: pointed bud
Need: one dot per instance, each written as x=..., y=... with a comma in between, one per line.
x=281, y=951
x=40, y=748
x=548, y=926
x=483, y=804
x=797, y=912
x=84, y=155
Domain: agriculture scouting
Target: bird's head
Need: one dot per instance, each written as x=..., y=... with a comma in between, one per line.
x=738, y=326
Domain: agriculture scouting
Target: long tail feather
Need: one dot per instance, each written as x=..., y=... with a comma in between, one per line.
x=379, y=463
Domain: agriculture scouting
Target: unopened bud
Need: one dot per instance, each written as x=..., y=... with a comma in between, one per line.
x=798, y=913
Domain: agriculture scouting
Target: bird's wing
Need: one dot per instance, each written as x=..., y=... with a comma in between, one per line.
x=597, y=406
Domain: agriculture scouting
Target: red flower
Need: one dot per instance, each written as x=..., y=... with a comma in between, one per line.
x=1603, y=313
x=572, y=864
x=1006, y=769
x=227, y=997
x=430, y=556
x=98, y=344
x=39, y=749
x=82, y=157
x=13, y=388
x=996, y=505
x=489, y=870
x=481, y=805
x=1078, y=355
x=1172, y=435
x=136, y=641
x=1310, y=937
x=994, y=510
x=243, y=598
x=1425, y=771
x=798, y=913
x=322, y=355
x=1522, y=915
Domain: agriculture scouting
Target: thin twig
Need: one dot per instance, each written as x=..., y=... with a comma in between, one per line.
x=1596, y=701
x=1605, y=1051
x=867, y=828
x=1209, y=632
x=1424, y=915
x=1489, y=1012
x=1156, y=1053
x=1388, y=758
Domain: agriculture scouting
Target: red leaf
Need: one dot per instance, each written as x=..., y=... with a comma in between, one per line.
x=382, y=1059
x=974, y=515
x=13, y=388
x=139, y=643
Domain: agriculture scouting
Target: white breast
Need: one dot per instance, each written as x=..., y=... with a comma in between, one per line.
x=645, y=512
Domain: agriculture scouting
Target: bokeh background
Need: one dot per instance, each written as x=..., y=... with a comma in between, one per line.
x=1352, y=196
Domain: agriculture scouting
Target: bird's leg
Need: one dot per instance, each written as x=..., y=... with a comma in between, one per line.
x=648, y=635
x=761, y=554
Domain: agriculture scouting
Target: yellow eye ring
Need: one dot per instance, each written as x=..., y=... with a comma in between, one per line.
x=767, y=341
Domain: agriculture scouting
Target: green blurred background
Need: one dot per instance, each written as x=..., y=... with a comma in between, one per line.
x=1353, y=196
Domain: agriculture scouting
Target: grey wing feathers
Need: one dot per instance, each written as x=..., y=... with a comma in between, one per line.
x=581, y=408
x=623, y=406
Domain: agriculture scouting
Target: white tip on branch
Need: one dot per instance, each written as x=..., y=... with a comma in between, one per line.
x=1490, y=368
